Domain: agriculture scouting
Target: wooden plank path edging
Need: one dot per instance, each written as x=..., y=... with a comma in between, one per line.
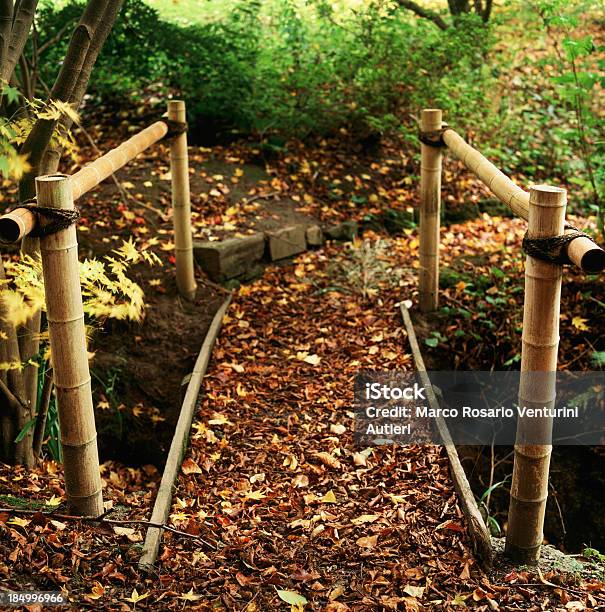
x=478, y=532
x=163, y=501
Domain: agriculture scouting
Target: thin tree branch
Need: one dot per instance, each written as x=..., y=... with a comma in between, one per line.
x=107, y=521
x=423, y=12
x=54, y=40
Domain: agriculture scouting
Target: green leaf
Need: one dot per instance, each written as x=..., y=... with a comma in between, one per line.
x=432, y=342
x=292, y=598
x=29, y=425
x=598, y=358
x=11, y=93
x=493, y=488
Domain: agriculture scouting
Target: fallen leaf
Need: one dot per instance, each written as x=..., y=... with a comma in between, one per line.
x=580, y=324
x=365, y=518
x=368, y=542
x=135, y=597
x=292, y=598
x=328, y=498
x=414, y=591
x=190, y=467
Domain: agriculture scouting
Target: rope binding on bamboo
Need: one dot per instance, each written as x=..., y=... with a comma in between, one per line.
x=57, y=219
x=552, y=249
x=175, y=128
x=434, y=138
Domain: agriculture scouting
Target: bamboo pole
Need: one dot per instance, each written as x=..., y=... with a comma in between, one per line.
x=540, y=341
x=91, y=175
x=18, y=223
x=181, y=204
x=583, y=252
x=430, y=203
x=163, y=500
x=65, y=316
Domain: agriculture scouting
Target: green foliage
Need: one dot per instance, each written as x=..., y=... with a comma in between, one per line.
x=594, y=555
x=306, y=68
x=209, y=64
x=12, y=165
x=320, y=72
x=107, y=293
x=548, y=119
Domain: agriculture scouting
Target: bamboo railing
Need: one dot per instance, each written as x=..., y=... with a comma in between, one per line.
x=544, y=209
x=18, y=223
x=582, y=251
x=59, y=254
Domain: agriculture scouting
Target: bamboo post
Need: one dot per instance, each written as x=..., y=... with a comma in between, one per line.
x=65, y=316
x=430, y=202
x=181, y=204
x=540, y=341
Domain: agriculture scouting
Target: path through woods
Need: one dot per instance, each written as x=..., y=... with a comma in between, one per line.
x=287, y=499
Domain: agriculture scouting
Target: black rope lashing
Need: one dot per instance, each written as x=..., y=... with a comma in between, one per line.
x=175, y=128
x=554, y=248
x=434, y=138
x=57, y=219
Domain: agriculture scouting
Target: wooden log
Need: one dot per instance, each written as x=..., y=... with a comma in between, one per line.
x=540, y=341
x=430, y=203
x=65, y=315
x=583, y=252
x=181, y=205
x=18, y=223
x=163, y=500
x=478, y=532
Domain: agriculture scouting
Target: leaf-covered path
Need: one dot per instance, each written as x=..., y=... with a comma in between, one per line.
x=287, y=500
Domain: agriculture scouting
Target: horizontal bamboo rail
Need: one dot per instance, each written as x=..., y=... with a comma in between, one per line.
x=583, y=252
x=18, y=223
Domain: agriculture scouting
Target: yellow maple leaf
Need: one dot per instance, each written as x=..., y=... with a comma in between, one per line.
x=580, y=323
x=190, y=596
x=53, y=501
x=255, y=495
x=96, y=592
x=135, y=597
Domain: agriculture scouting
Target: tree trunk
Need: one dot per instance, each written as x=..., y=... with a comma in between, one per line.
x=70, y=86
x=20, y=388
x=52, y=155
x=23, y=17
x=458, y=7
x=14, y=412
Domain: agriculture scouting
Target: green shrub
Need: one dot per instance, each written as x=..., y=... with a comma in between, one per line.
x=210, y=64
x=287, y=67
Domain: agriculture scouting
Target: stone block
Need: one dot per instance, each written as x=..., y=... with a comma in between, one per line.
x=286, y=242
x=315, y=236
x=231, y=258
x=347, y=230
